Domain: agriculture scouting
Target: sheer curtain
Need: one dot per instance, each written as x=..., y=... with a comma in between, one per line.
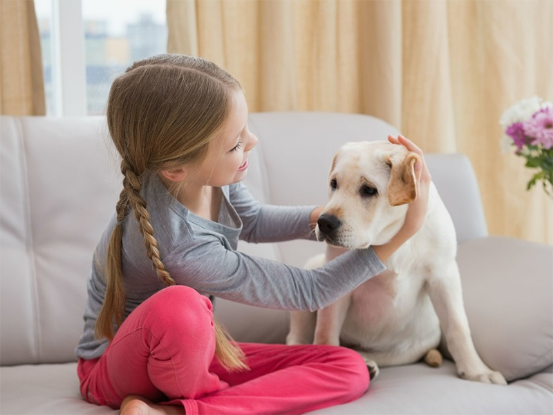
x=441, y=71
x=21, y=79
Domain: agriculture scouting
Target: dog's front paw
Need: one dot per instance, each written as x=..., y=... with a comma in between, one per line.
x=373, y=368
x=485, y=376
x=296, y=341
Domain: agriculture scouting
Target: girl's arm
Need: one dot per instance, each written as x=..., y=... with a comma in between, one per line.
x=270, y=223
x=204, y=264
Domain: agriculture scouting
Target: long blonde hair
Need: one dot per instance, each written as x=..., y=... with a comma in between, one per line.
x=162, y=112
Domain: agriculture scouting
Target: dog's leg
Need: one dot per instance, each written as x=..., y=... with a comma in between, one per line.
x=330, y=320
x=302, y=323
x=376, y=360
x=392, y=357
x=444, y=287
x=302, y=327
x=372, y=365
x=432, y=358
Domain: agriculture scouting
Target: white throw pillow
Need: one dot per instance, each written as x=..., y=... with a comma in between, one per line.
x=508, y=294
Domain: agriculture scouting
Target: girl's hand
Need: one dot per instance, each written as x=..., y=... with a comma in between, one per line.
x=314, y=217
x=418, y=208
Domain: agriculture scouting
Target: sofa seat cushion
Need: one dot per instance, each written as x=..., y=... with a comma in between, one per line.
x=44, y=389
x=415, y=389
x=420, y=389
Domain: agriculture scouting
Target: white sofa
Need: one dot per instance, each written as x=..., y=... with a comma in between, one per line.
x=59, y=186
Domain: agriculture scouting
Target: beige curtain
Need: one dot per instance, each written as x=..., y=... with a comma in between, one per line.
x=21, y=79
x=441, y=71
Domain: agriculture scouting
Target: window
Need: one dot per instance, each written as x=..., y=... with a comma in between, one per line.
x=117, y=33
x=113, y=34
x=44, y=17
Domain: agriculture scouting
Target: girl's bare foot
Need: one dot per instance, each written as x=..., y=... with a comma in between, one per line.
x=137, y=405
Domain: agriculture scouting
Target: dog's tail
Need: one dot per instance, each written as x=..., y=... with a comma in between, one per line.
x=433, y=358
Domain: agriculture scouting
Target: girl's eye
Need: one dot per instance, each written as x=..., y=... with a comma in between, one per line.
x=333, y=184
x=237, y=146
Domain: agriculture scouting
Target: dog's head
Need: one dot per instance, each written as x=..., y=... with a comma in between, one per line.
x=370, y=185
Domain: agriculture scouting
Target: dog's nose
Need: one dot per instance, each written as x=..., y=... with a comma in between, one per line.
x=328, y=223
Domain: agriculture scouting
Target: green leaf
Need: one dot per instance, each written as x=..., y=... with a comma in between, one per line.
x=547, y=163
x=534, y=179
x=545, y=189
x=532, y=163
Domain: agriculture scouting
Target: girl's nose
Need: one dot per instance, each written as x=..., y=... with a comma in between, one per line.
x=252, y=141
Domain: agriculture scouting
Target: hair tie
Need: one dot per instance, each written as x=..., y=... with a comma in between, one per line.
x=119, y=223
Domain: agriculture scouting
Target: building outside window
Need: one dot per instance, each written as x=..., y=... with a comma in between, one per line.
x=116, y=33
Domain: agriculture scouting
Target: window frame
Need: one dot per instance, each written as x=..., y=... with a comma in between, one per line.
x=68, y=59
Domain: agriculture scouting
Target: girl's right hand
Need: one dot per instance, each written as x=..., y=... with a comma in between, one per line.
x=418, y=208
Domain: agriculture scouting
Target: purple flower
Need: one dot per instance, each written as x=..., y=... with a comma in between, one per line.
x=516, y=132
x=540, y=128
x=545, y=110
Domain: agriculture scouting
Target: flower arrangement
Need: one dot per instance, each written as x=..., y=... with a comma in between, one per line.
x=528, y=125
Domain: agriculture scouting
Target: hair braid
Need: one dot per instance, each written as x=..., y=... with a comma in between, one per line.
x=122, y=206
x=114, y=299
x=132, y=186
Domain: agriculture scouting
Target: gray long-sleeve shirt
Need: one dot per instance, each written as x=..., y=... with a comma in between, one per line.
x=202, y=254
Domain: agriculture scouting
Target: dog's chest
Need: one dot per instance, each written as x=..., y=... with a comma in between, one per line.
x=389, y=308
x=387, y=294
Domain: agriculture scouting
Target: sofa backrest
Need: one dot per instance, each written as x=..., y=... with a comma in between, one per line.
x=58, y=190
x=59, y=185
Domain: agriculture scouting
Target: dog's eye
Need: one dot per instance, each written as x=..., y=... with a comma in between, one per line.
x=368, y=191
x=333, y=184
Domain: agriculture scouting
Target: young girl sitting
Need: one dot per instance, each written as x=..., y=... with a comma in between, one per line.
x=150, y=344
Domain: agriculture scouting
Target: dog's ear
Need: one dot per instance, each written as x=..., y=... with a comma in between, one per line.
x=402, y=187
x=333, y=163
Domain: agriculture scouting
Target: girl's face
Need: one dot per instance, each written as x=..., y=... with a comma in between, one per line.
x=226, y=161
x=227, y=157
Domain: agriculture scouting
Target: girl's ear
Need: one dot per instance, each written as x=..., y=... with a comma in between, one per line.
x=175, y=175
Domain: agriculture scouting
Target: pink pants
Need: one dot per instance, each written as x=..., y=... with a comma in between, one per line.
x=164, y=351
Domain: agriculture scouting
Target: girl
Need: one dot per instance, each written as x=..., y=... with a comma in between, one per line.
x=180, y=126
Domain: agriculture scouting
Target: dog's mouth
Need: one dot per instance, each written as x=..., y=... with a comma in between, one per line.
x=322, y=237
x=329, y=241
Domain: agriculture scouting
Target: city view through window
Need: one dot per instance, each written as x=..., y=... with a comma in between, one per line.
x=113, y=40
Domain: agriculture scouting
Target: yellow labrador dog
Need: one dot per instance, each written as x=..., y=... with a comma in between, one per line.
x=394, y=318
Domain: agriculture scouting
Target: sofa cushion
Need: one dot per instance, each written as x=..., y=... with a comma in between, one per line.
x=421, y=390
x=53, y=389
x=69, y=187
x=509, y=303
x=16, y=255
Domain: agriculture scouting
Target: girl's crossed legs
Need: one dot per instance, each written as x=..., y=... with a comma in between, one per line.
x=164, y=352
